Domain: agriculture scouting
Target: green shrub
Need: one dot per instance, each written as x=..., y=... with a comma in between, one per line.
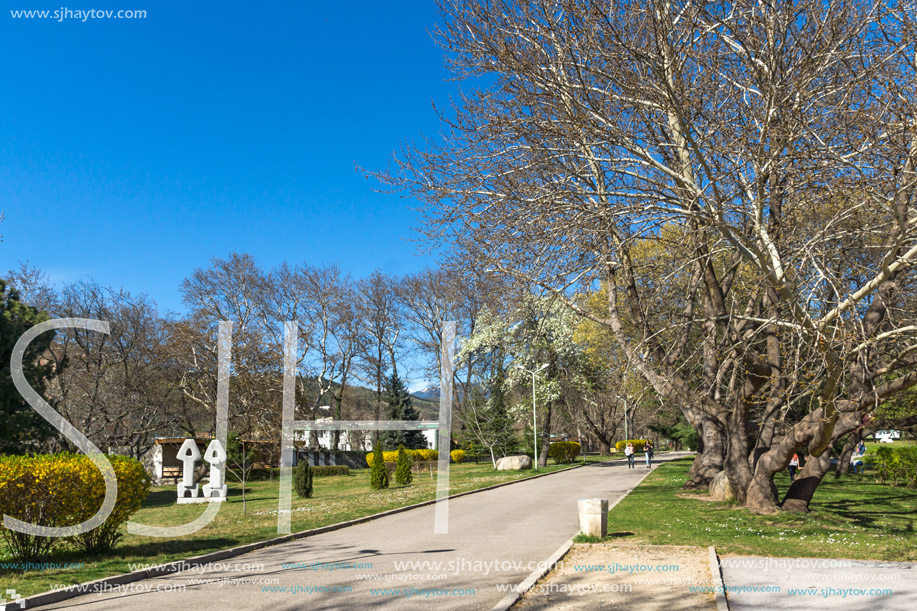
x=403, y=475
x=63, y=490
x=638, y=444
x=893, y=465
x=457, y=456
x=262, y=474
x=378, y=476
x=564, y=451
x=330, y=471
x=302, y=479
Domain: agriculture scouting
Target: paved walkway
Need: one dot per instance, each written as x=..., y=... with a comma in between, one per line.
x=495, y=538
x=807, y=583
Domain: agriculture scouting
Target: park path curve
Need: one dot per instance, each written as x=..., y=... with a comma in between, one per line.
x=495, y=538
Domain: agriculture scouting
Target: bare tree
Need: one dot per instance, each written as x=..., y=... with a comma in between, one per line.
x=383, y=324
x=746, y=142
x=113, y=387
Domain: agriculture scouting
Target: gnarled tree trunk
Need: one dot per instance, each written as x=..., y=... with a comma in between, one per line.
x=803, y=487
x=709, y=459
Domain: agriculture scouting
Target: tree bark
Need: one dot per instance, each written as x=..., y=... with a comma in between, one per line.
x=709, y=459
x=545, y=437
x=803, y=488
x=736, y=465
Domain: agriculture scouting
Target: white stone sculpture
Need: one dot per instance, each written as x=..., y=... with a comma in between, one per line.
x=215, y=490
x=188, y=454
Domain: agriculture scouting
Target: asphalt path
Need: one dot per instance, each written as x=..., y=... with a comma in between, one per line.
x=496, y=537
x=802, y=584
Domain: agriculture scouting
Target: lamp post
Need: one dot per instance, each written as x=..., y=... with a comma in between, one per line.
x=534, y=417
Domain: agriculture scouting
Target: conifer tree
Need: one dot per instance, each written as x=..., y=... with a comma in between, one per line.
x=23, y=428
x=401, y=407
x=403, y=475
x=378, y=476
x=302, y=479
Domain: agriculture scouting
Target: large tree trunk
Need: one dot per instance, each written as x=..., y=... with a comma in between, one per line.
x=737, y=467
x=709, y=459
x=803, y=488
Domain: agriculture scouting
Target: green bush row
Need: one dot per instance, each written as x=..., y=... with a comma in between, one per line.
x=330, y=471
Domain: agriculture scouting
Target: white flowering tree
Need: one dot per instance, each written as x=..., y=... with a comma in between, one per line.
x=537, y=332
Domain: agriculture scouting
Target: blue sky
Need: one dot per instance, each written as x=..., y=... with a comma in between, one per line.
x=133, y=151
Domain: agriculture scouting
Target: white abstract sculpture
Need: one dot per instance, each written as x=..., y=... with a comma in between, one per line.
x=215, y=490
x=188, y=454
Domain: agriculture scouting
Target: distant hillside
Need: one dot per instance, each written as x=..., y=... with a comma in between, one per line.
x=431, y=394
x=360, y=402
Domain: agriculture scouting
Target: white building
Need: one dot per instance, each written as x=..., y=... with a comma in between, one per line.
x=887, y=436
x=359, y=441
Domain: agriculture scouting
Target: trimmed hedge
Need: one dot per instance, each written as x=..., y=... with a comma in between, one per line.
x=564, y=451
x=63, y=490
x=330, y=471
x=415, y=455
x=457, y=456
x=638, y=444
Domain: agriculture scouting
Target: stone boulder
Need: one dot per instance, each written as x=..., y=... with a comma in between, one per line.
x=720, y=488
x=514, y=463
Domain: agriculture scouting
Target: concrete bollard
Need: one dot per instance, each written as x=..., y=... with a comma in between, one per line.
x=593, y=517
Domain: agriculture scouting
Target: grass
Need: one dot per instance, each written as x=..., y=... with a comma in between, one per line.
x=336, y=499
x=853, y=517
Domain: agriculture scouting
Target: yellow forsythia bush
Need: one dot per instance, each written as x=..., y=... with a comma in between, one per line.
x=413, y=454
x=638, y=444
x=63, y=490
x=457, y=456
x=564, y=451
x=427, y=454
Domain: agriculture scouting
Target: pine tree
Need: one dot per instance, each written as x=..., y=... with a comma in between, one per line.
x=23, y=428
x=378, y=476
x=499, y=426
x=401, y=407
x=403, y=475
x=302, y=479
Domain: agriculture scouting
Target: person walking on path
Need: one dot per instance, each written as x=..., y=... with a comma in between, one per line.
x=629, y=452
x=794, y=464
x=648, y=453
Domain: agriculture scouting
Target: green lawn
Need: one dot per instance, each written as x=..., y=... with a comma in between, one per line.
x=336, y=499
x=853, y=517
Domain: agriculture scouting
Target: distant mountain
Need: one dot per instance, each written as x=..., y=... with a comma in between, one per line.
x=430, y=393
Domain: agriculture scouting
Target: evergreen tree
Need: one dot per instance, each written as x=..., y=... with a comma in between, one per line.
x=302, y=479
x=23, y=429
x=401, y=407
x=403, y=475
x=499, y=424
x=378, y=476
